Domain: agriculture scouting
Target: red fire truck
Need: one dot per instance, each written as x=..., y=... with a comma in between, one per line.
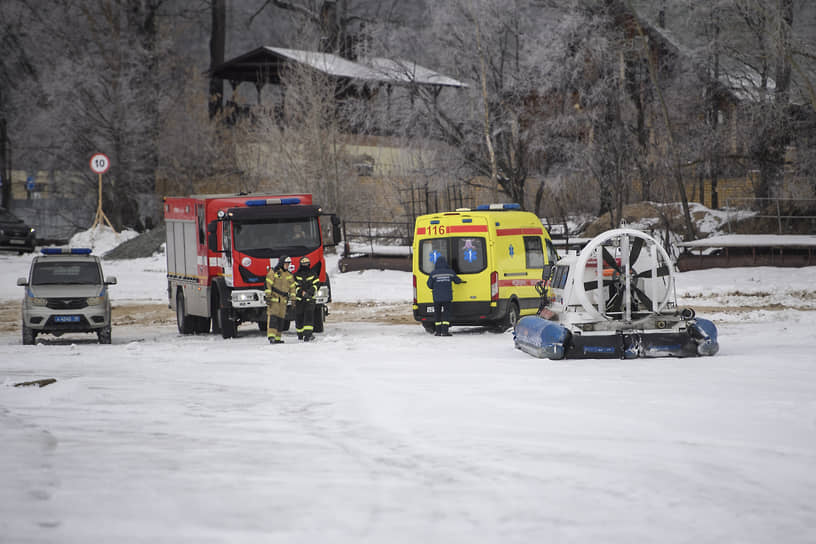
x=219, y=248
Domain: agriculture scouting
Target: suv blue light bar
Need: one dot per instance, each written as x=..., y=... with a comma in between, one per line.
x=66, y=251
x=485, y=207
x=271, y=201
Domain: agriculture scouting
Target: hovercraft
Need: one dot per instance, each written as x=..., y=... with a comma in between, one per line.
x=615, y=299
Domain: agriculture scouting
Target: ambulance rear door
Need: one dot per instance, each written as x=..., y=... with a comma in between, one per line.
x=462, y=239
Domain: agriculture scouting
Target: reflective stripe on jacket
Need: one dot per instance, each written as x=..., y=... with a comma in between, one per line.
x=306, y=285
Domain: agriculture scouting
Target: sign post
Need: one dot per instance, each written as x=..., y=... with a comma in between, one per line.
x=100, y=163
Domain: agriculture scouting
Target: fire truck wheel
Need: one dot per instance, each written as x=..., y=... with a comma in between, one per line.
x=202, y=325
x=318, y=318
x=226, y=324
x=185, y=324
x=216, y=326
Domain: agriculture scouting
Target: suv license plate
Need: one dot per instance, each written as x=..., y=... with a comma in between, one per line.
x=66, y=318
x=430, y=309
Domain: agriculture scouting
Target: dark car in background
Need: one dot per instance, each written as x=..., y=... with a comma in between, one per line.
x=15, y=235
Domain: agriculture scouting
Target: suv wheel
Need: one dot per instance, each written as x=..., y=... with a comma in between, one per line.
x=28, y=336
x=104, y=335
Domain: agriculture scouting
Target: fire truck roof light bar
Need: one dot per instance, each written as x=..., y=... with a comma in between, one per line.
x=484, y=207
x=271, y=201
x=65, y=251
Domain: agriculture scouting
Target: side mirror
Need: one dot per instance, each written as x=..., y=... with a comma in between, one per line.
x=22, y=282
x=110, y=280
x=212, y=239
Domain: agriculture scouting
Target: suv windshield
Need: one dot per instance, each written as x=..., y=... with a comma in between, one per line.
x=301, y=234
x=45, y=273
x=466, y=255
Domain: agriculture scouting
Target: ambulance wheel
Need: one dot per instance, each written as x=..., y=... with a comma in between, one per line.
x=318, y=318
x=184, y=321
x=28, y=336
x=510, y=319
x=429, y=327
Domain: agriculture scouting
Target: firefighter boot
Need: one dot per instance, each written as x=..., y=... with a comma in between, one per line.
x=438, y=329
x=445, y=331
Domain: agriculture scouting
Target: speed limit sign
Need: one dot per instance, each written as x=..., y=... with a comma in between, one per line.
x=100, y=163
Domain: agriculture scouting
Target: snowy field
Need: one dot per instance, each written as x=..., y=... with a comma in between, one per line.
x=382, y=433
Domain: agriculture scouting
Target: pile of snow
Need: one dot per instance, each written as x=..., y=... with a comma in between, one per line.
x=101, y=238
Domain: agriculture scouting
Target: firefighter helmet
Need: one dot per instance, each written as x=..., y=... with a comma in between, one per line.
x=284, y=261
x=305, y=262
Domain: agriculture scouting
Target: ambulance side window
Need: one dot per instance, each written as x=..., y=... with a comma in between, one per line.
x=533, y=252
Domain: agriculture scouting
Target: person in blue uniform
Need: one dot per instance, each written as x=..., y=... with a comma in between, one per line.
x=440, y=282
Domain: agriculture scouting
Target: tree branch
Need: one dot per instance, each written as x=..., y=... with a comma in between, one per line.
x=289, y=6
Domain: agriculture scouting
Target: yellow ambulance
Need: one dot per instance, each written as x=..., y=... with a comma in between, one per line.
x=500, y=251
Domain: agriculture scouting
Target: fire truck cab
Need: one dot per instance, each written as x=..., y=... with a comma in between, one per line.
x=219, y=248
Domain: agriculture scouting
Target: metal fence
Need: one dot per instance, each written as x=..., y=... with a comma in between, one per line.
x=56, y=220
x=791, y=215
x=373, y=235
x=376, y=244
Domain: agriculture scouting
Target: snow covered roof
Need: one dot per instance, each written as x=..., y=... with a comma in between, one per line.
x=753, y=240
x=266, y=62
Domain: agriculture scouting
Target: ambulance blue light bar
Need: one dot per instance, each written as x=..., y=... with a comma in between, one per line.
x=271, y=201
x=66, y=251
x=485, y=207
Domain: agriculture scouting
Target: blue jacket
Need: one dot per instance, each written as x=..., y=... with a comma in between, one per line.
x=440, y=281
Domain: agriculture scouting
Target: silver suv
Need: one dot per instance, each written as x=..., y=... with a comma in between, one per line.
x=66, y=292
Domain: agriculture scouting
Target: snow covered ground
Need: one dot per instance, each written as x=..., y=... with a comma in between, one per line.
x=382, y=433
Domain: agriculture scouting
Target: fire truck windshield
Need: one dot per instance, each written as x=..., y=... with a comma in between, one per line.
x=296, y=235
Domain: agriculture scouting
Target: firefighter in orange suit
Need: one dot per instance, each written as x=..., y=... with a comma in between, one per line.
x=306, y=281
x=280, y=289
